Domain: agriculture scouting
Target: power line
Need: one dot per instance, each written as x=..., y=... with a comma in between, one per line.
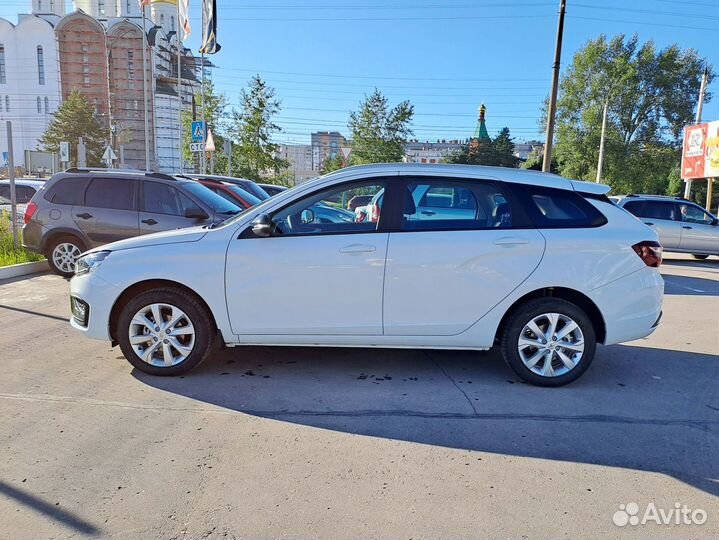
x=643, y=22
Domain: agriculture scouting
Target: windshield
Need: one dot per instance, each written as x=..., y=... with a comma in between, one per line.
x=211, y=199
x=245, y=195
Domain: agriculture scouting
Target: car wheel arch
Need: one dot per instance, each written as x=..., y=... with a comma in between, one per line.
x=577, y=298
x=53, y=234
x=148, y=285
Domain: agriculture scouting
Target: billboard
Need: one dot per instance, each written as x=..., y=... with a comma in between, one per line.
x=700, y=151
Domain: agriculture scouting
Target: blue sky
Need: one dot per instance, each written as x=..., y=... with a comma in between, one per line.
x=445, y=56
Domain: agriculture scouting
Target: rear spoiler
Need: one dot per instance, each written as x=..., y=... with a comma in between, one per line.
x=590, y=188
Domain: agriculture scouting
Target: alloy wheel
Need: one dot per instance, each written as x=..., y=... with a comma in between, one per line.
x=162, y=335
x=551, y=344
x=64, y=256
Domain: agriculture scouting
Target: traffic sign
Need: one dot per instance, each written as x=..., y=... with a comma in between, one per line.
x=196, y=147
x=346, y=151
x=199, y=128
x=64, y=151
x=109, y=156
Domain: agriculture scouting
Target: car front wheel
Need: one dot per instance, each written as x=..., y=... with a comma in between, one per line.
x=165, y=331
x=548, y=341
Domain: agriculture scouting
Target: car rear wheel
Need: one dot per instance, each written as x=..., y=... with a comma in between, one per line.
x=548, y=341
x=62, y=253
x=700, y=257
x=165, y=331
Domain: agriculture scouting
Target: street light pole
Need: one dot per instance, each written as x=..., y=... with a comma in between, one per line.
x=551, y=110
x=600, y=162
x=697, y=120
x=144, y=90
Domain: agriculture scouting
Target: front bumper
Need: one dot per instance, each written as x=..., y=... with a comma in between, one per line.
x=100, y=297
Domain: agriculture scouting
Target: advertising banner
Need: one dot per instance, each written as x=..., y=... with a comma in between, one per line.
x=700, y=151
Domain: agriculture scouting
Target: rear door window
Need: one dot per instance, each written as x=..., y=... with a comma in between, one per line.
x=453, y=204
x=23, y=194
x=659, y=210
x=69, y=190
x=112, y=193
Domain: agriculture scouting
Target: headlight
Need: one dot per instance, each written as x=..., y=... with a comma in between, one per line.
x=88, y=263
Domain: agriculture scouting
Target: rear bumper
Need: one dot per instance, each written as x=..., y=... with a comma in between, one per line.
x=631, y=306
x=32, y=234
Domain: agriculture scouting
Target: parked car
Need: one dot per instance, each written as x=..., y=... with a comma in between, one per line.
x=25, y=189
x=232, y=192
x=682, y=226
x=567, y=270
x=84, y=208
x=357, y=201
x=273, y=189
x=244, y=183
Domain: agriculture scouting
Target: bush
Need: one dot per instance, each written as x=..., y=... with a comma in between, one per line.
x=8, y=254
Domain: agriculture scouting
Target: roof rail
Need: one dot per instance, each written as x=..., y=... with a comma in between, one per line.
x=670, y=197
x=208, y=179
x=162, y=176
x=102, y=169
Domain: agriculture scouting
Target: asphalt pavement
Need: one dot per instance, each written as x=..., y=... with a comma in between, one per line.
x=304, y=443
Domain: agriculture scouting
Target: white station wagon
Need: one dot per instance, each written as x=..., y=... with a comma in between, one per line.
x=450, y=257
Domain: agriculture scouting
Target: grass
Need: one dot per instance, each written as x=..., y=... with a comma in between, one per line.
x=8, y=254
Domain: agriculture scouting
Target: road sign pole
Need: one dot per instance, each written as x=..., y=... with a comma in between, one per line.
x=11, y=174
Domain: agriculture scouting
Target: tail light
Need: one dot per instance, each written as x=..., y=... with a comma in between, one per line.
x=374, y=217
x=30, y=210
x=650, y=252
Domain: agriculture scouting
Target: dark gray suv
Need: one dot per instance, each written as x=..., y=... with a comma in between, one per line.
x=83, y=208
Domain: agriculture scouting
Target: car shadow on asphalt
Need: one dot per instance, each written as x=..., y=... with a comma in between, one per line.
x=690, y=286
x=638, y=408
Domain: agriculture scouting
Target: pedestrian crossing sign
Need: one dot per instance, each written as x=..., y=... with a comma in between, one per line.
x=198, y=131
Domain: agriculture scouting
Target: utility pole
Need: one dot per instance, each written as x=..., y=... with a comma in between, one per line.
x=600, y=163
x=11, y=173
x=144, y=89
x=180, y=30
x=697, y=120
x=551, y=111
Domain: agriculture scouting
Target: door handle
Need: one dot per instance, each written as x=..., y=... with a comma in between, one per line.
x=428, y=212
x=84, y=215
x=149, y=221
x=686, y=227
x=649, y=223
x=510, y=241
x=357, y=248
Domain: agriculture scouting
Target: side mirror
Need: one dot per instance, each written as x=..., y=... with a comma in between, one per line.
x=261, y=225
x=308, y=216
x=195, y=213
x=715, y=222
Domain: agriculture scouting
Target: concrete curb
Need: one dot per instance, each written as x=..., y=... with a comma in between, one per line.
x=23, y=269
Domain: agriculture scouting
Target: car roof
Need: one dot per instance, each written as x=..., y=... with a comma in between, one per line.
x=506, y=174
x=25, y=182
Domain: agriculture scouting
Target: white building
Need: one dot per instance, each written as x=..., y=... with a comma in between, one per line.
x=29, y=77
x=429, y=152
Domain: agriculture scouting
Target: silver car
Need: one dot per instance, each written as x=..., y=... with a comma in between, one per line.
x=683, y=226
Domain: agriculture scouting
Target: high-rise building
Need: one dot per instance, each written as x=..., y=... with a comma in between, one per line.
x=299, y=157
x=325, y=145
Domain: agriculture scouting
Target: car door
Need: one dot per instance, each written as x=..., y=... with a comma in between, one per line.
x=443, y=274
x=700, y=232
x=309, y=276
x=165, y=207
x=661, y=216
x=109, y=212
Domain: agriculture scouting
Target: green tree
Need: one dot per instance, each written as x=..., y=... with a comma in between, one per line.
x=535, y=162
x=497, y=152
x=332, y=164
x=379, y=132
x=650, y=96
x=215, y=107
x=74, y=119
x=255, y=155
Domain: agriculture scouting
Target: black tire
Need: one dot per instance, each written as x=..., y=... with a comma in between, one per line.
x=522, y=315
x=701, y=257
x=50, y=248
x=199, y=316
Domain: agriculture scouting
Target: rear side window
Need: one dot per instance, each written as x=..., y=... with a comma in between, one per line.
x=112, y=193
x=559, y=209
x=67, y=191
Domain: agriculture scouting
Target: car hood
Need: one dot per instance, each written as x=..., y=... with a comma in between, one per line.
x=176, y=236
